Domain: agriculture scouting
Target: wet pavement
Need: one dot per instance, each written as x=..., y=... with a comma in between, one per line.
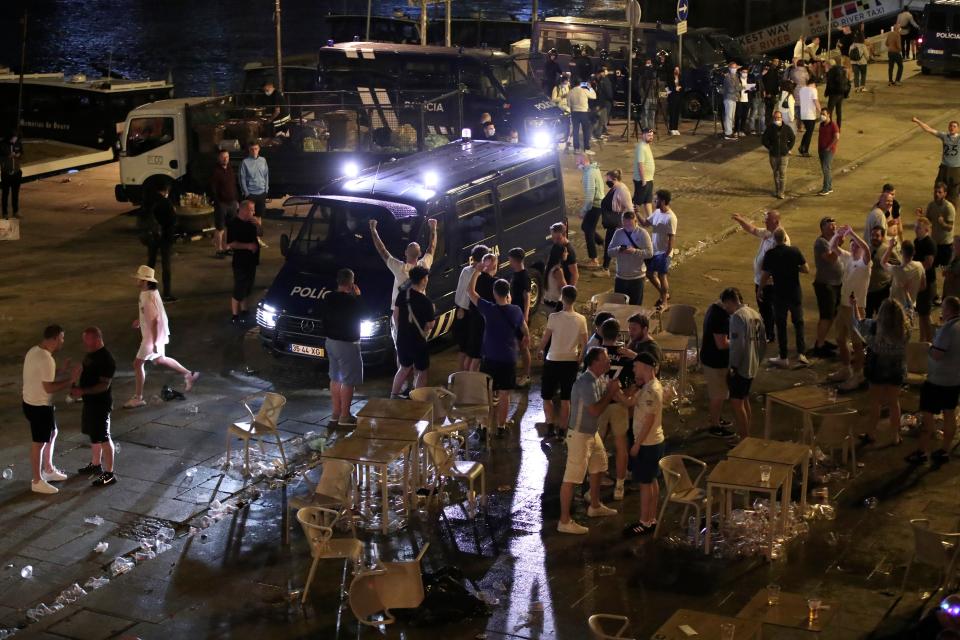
x=238, y=579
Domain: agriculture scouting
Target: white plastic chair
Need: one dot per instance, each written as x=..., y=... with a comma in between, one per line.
x=392, y=585
x=933, y=548
x=441, y=399
x=596, y=624
x=447, y=466
x=680, y=320
x=607, y=297
x=475, y=402
x=263, y=423
x=836, y=431
x=336, y=490
x=681, y=489
x=318, y=524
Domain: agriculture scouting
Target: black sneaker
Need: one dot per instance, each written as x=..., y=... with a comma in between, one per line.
x=551, y=431
x=940, y=456
x=721, y=432
x=561, y=434
x=725, y=423
x=91, y=470
x=104, y=479
x=501, y=432
x=829, y=346
x=638, y=529
x=917, y=457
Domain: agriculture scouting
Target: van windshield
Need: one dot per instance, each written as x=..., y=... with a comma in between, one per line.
x=340, y=232
x=508, y=72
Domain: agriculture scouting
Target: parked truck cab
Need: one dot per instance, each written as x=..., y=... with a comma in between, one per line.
x=479, y=192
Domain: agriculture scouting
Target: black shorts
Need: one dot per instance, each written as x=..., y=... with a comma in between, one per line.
x=503, y=374
x=414, y=354
x=924, y=302
x=243, y=278
x=828, y=299
x=223, y=213
x=461, y=329
x=934, y=398
x=738, y=385
x=95, y=423
x=646, y=465
x=474, y=338
x=557, y=376
x=643, y=194
x=944, y=253
x=43, y=421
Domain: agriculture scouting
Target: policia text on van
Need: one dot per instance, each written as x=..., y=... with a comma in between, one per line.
x=479, y=192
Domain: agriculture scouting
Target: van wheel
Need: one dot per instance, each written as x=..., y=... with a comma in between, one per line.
x=925, y=70
x=536, y=289
x=695, y=106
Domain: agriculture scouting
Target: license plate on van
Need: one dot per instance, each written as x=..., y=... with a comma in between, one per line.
x=316, y=352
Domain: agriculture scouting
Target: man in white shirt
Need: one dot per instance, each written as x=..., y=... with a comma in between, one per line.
x=771, y=222
x=663, y=228
x=908, y=278
x=561, y=349
x=42, y=379
x=648, y=440
x=809, y=113
x=461, y=322
x=579, y=100
x=644, y=169
x=856, y=265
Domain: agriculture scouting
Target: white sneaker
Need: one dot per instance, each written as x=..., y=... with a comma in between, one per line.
x=839, y=375
x=802, y=359
x=601, y=512
x=569, y=527
x=56, y=475
x=853, y=382
x=618, y=492
x=590, y=152
x=43, y=487
x=601, y=273
x=781, y=363
x=134, y=403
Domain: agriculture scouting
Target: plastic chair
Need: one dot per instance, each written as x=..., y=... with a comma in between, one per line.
x=680, y=320
x=475, y=402
x=263, y=423
x=608, y=297
x=318, y=523
x=392, y=585
x=681, y=489
x=933, y=548
x=441, y=399
x=449, y=467
x=336, y=490
x=836, y=432
x=917, y=362
x=595, y=622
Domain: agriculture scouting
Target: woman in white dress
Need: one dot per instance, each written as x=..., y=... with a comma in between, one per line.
x=155, y=335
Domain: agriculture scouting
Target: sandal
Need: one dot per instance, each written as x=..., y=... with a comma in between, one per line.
x=134, y=403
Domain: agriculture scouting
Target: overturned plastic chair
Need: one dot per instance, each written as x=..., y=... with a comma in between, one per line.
x=681, y=489
x=447, y=466
x=263, y=423
x=318, y=524
x=336, y=490
x=392, y=585
x=597, y=631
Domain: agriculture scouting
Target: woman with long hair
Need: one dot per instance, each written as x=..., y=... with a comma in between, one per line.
x=614, y=203
x=886, y=364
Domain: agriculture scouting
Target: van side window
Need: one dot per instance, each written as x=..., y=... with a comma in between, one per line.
x=146, y=134
x=529, y=197
x=427, y=75
x=937, y=21
x=476, y=221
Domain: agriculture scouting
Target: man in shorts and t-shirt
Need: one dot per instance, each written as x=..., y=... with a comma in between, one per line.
x=42, y=379
x=93, y=386
x=632, y=247
x=561, y=349
x=941, y=389
x=487, y=268
x=747, y=344
x=644, y=169
x=715, y=358
x=856, y=266
x=941, y=213
x=592, y=394
x=504, y=329
x=648, y=441
x=520, y=287
x=415, y=319
x=907, y=278
x=826, y=285
x=616, y=417
x=461, y=321
x=663, y=227
x=411, y=258
x=342, y=315
x=949, y=171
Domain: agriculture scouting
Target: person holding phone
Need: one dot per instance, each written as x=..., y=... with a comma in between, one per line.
x=631, y=245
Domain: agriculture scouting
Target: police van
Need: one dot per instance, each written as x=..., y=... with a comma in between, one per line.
x=939, y=43
x=479, y=192
x=379, y=72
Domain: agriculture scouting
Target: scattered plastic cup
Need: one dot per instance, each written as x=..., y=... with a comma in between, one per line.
x=94, y=520
x=765, y=473
x=814, y=604
x=96, y=582
x=871, y=503
x=192, y=471
x=727, y=630
x=101, y=547
x=832, y=394
x=166, y=533
x=773, y=595
x=27, y=572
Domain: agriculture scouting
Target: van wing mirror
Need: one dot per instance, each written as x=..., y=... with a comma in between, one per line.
x=284, y=244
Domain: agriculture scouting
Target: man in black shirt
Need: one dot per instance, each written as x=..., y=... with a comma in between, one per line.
x=94, y=387
x=342, y=314
x=474, y=345
x=243, y=238
x=558, y=234
x=161, y=241
x=784, y=264
x=415, y=320
x=715, y=358
x=520, y=286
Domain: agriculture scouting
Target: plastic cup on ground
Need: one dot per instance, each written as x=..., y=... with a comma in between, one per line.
x=727, y=630
x=773, y=595
x=765, y=473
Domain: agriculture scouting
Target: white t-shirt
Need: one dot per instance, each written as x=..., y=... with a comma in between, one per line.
x=766, y=243
x=662, y=224
x=569, y=329
x=401, y=272
x=856, y=278
x=808, y=102
x=649, y=402
x=461, y=298
x=38, y=367
x=906, y=282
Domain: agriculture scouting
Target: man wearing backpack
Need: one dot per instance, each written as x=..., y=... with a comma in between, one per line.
x=838, y=88
x=158, y=223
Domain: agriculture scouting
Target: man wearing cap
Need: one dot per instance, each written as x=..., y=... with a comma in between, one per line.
x=648, y=441
x=155, y=335
x=826, y=285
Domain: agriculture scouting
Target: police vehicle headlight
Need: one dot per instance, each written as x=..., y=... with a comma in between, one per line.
x=351, y=170
x=267, y=316
x=368, y=328
x=430, y=179
x=541, y=140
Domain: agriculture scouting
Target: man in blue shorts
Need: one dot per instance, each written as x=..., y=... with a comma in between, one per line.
x=663, y=228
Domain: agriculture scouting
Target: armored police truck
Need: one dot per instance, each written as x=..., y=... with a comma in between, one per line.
x=938, y=47
x=479, y=192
